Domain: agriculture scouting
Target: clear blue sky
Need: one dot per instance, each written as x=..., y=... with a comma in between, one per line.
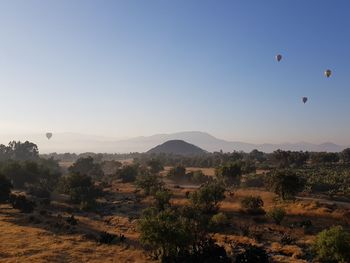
x=129, y=68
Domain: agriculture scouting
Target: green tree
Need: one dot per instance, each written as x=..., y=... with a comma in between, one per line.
x=333, y=245
x=155, y=166
x=80, y=188
x=230, y=173
x=5, y=188
x=208, y=197
x=165, y=232
x=128, y=173
x=285, y=183
x=345, y=155
x=149, y=182
x=87, y=166
x=162, y=198
x=177, y=172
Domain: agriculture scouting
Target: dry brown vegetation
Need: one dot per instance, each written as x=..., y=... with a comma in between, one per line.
x=45, y=235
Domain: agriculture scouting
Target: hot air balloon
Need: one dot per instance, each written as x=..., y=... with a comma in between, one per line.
x=328, y=73
x=304, y=99
x=278, y=57
x=49, y=135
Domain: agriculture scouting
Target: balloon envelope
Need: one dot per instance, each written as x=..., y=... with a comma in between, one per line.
x=279, y=57
x=328, y=73
x=49, y=135
x=304, y=99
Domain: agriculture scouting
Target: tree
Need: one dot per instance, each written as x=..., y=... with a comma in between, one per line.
x=285, y=183
x=22, y=151
x=162, y=199
x=80, y=188
x=277, y=214
x=208, y=197
x=165, y=232
x=87, y=166
x=5, y=188
x=150, y=183
x=257, y=156
x=128, y=173
x=345, y=155
x=253, y=204
x=333, y=245
x=177, y=172
x=231, y=173
x=155, y=166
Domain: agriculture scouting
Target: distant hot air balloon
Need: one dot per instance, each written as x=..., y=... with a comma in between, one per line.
x=49, y=135
x=278, y=57
x=328, y=73
x=304, y=99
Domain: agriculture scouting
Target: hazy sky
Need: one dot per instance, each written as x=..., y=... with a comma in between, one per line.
x=129, y=68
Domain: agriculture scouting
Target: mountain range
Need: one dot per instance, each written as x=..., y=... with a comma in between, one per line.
x=74, y=142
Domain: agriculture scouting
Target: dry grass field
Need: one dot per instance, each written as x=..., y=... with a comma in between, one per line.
x=45, y=235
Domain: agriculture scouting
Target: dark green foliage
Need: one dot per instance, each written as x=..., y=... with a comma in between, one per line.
x=21, y=203
x=72, y=220
x=333, y=245
x=285, y=159
x=87, y=166
x=177, y=172
x=128, y=173
x=80, y=188
x=324, y=158
x=155, y=166
x=208, y=196
x=5, y=188
x=165, y=232
x=285, y=183
x=253, y=204
x=19, y=151
x=162, y=199
x=205, y=251
x=149, y=182
x=230, y=173
x=345, y=155
x=254, y=180
x=108, y=238
x=252, y=254
x=277, y=214
x=41, y=173
x=286, y=239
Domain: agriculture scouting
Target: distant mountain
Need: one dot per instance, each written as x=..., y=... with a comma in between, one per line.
x=73, y=142
x=179, y=147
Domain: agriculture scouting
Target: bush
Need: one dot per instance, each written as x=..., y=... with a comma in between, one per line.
x=165, y=232
x=253, y=204
x=252, y=254
x=162, y=198
x=208, y=197
x=219, y=220
x=285, y=183
x=148, y=182
x=21, y=203
x=333, y=245
x=277, y=214
x=128, y=173
x=80, y=188
x=230, y=173
x=5, y=188
x=108, y=238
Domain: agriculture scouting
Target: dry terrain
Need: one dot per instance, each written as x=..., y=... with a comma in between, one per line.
x=45, y=235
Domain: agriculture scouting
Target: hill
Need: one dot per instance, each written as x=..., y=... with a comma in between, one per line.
x=177, y=147
x=79, y=143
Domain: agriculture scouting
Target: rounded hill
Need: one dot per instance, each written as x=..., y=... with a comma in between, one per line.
x=179, y=147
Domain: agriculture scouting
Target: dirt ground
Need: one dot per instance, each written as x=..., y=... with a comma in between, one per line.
x=45, y=235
